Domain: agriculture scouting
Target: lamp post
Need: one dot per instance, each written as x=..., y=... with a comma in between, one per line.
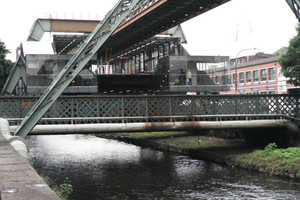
x=236, y=66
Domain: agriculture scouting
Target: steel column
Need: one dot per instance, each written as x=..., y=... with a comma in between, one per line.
x=18, y=71
x=84, y=53
x=295, y=6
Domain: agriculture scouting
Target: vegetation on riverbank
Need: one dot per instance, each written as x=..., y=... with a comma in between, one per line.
x=235, y=152
x=63, y=190
x=284, y=162
x=184, y=139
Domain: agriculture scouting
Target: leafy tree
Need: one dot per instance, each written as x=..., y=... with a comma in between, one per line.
x=280, y=51
x=5, y=65
x=263, y=54
x=290, y=61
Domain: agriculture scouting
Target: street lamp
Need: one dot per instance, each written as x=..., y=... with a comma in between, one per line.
x=236, y=66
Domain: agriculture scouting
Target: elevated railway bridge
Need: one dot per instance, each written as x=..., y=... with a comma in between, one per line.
x=127, y=24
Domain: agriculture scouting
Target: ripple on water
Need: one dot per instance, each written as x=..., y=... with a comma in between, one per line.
x=106, y=169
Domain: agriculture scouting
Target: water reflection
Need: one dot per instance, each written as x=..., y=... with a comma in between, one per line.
x=107, y=169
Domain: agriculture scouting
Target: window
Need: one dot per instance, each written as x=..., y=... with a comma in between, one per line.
x=241, y=75
x=234, y=78
x=255, y=76
x=217, y=79
x=248, y=77
x=271, y=74
x=263, y=75
x=223, y=80
x=228, y=79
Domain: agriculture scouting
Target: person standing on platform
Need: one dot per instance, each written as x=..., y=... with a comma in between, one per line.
x=189, y=77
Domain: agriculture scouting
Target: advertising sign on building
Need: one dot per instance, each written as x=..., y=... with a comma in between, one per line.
x=280, y=75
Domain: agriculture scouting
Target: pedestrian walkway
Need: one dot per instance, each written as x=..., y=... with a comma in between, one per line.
x=18, y=179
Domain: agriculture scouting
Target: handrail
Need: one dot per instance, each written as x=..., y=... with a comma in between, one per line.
x=159, y=117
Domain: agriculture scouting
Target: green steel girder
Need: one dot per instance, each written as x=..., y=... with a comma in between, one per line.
x=39, y=27
x=178, y=32
x=18, y=72
x=78, y=61
x=161, y=16
x=295, y=6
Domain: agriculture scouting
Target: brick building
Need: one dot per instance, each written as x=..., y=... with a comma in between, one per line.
x=255, y=75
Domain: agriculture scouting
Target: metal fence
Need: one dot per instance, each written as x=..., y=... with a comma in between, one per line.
x=116, y=109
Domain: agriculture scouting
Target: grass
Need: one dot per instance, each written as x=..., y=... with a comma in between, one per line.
x=287, y=160
x=63, y=190
x=271, y=159
x=148, y=135
x=184, y=140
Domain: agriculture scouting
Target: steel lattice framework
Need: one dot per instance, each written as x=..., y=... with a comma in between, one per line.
x=84, y=53
x=130, y=109
x=295, y=6
x=124, y=10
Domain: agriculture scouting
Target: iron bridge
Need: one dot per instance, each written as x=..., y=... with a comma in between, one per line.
x=133, y=109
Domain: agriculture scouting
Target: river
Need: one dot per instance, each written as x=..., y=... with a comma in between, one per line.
x=106, y=169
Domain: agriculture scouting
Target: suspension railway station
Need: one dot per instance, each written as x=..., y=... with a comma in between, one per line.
x=154, y=65
x=157, y=65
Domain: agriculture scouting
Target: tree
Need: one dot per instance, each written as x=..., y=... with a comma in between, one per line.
x=290, y=61
x=280, y=51
x=5, y=65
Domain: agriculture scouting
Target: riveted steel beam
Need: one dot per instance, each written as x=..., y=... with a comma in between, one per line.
x=60, y=25
x=39, y=27
x=83, y=54
x=295, y=6
x=18, y=72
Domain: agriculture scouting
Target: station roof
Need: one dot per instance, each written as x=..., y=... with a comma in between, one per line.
x=157, y=18
x=65, y=44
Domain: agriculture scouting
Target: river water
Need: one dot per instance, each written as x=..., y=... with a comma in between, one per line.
x=106, y=169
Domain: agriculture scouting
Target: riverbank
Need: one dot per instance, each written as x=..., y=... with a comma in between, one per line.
x=231, y=151
x=18, y=179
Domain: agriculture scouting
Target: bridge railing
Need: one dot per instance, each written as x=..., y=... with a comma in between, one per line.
x=115, y=109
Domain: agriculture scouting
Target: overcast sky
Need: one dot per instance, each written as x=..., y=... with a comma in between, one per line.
x=236, y=25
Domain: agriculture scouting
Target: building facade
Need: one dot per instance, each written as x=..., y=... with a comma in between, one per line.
x=256, y=76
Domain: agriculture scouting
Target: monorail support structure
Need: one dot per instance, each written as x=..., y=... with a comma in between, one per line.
x=295, y=6
x=83, y=54
x=16, y=79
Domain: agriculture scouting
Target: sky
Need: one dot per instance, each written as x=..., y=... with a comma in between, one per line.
x=266, y=25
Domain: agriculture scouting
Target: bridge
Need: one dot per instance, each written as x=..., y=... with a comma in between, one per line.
x=145, y=17
x=126, y=14
x=140, y=113
x=91, y=114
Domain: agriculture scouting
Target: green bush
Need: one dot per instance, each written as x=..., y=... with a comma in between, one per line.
x=64, y=190
x=271, y=147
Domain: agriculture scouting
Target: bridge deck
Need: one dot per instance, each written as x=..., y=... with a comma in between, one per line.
x=131, y=109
